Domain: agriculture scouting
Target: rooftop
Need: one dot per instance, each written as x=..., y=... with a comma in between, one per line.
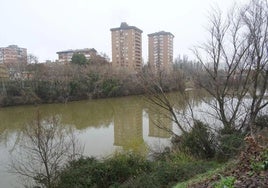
x=160, y=33
x=12, y=47
x=78, y=50
x=125, y=26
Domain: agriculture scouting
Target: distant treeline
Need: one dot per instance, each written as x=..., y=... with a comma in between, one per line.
x=53, y=83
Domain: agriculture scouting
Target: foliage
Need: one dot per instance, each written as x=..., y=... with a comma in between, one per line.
x=79, y=59
x=229, y=145
x=225, y=182
x=17, y=94
x=47, y=91
x=79, y=88
x=130, y=170
x=110, y=87
x=168, y=172
x=89, y=172
x=210, y=174
x=199, y=141
x=260, y=164
x=52, y=82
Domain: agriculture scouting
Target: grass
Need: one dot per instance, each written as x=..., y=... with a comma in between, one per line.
x=205, y=176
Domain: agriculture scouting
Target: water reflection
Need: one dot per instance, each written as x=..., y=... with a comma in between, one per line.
x=102, y=125
x=126, y=114
x=128, y=126
x=158, y=125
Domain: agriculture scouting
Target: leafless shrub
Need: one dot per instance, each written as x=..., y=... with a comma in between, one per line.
x=44, y=148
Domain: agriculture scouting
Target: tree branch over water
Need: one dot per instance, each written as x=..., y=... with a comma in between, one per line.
x=235, y=62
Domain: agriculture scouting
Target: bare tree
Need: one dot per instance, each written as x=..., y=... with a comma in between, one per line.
x=255, y=18
x=32, y=59
x=44, y=148
x=235, y=61
x=156, y=85
x=234, y=69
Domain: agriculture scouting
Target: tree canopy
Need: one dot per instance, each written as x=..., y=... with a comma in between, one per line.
x=79, y=59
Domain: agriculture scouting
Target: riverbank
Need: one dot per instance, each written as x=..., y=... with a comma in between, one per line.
x=249, y=169
x=128, y=170
x=81, y=85
x=131, y=170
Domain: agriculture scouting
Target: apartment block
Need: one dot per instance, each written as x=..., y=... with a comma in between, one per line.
x=160, y=46
x=66, y=56
x=127, y=47
x=13, y=55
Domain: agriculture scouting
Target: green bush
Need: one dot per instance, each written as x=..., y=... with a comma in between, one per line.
x=199, y=141
x=89, y=172
x=27, y=96
x=111, y=88
x=46, y=91
x=229, y=145
x=129, y=170
x=79, y=89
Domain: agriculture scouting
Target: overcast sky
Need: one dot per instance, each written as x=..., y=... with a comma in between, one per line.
x=47, y=26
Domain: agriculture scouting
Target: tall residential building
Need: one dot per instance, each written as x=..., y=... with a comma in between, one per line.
x=66, y=56
x=127, y=47
x=13, y=55
x=160, y=50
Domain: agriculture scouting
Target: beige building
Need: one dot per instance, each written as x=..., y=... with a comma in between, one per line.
x=127, y=47
x=13, y=55
x=66, y=56
x=160, y=50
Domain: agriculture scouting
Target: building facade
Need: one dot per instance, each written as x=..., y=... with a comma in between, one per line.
x=13, y=55
x=66, y=56
x=127, y=47
x=160, y=46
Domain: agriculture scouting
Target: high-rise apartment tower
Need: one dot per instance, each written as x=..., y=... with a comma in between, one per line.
x=13, y=55
x=160, y=50
x=127, y=47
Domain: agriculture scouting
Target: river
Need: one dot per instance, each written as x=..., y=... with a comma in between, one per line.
x=102, y=126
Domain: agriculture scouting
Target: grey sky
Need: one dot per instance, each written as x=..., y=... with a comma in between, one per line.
x=47, y=26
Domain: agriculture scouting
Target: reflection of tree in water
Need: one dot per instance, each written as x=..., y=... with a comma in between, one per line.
x=93, y=113
x=96, y=113
x=82, y=114
x=128, y=123
x=12, y=120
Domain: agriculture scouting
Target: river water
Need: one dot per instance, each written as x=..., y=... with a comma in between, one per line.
x=102, y=126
